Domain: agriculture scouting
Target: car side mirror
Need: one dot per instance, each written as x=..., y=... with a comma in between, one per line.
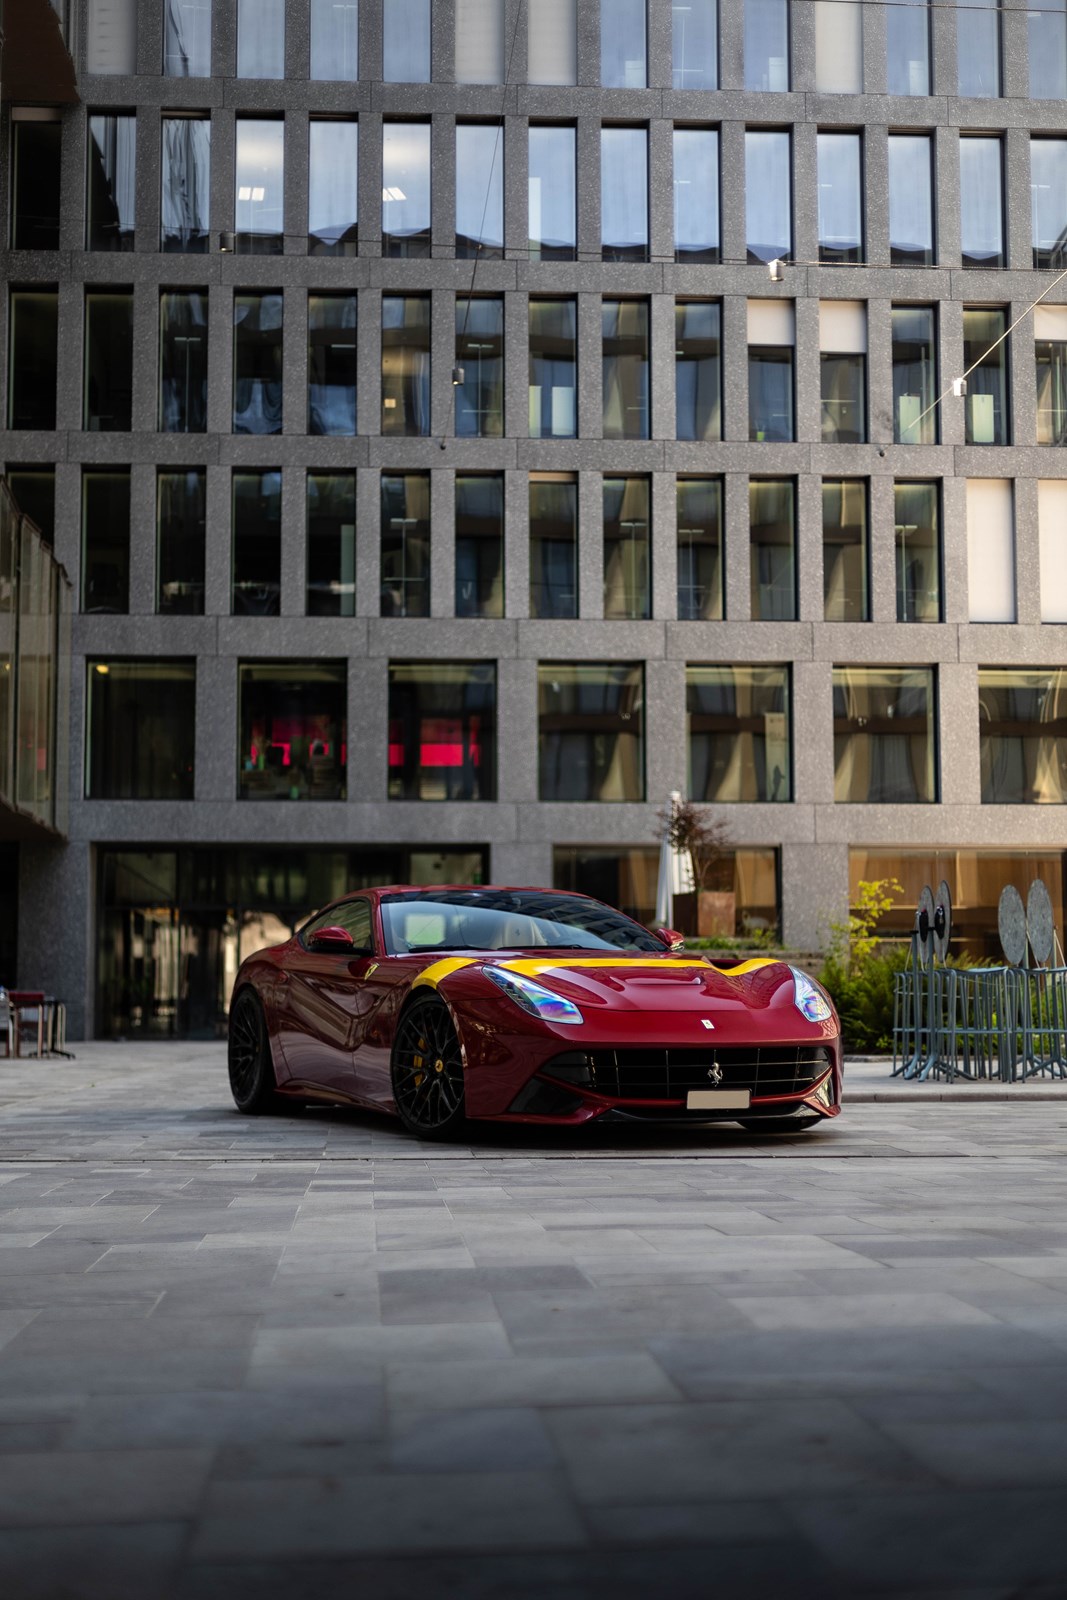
x=670, y=937
x=333, y=939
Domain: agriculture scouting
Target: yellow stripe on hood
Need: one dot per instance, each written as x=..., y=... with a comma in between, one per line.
x=537, y=966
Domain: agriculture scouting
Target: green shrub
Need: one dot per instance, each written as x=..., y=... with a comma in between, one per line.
x=859, y=970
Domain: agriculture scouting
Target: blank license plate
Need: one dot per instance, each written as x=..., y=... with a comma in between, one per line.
x=718, y=1099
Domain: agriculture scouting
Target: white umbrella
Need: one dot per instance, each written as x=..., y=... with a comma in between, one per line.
x=675, y=874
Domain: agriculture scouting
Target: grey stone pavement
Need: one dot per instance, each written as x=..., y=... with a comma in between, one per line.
x=291, y=1356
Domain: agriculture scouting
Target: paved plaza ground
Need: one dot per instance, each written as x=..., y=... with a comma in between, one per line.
x=309, y=1357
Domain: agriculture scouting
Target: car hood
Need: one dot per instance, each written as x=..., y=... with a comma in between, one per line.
x=637, y=983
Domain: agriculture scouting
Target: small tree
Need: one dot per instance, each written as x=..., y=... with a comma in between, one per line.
x=860, y=971
x=704, y=837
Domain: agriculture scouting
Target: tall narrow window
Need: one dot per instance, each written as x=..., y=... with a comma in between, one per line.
x=405, y=547
x=259, y=186
x=624, y=194
x=885, y=740
x=35, y=166
x=180, y=541
x=1047, y=25
x=406, y=364
x=553, y=544
x=627, y=548
x=480, y=359
x=257, y=543
x=553, y=369
x=108, y=390
x=261, y=38
x=140, y=729
x=843, y=371
x=700, y=549
x=553, y=42
x=479, y=41
x=406, y=37
x=34, y=489
x=553, y=226
x=625, y=369
x=840, y=197
x=186, y=38
x=918, y=552
x=697, y=370
x=986, y=351
x=740, y=743
x=990, y=550
x=1048, y=200
x=335, y=40
x=1050, y=354
x=185, y=186
x=981, y=203
x=442, y=730
x=332, y=364
x=846, y=593
x=978, y=48
x=839, y=46
x=257, y=363
x=695, y=36
x=768, y=195
x=623, y=44
x=293, y=730
x=479, y=545
x=1022, y=723
x=183, y=361
x=106, y=540
x=333, y=163
x=112, y=182
x=111, y=36
x=479, y=190
x=908, y=49
x=696, y=194
x=914, y=375
x=406, y=189
x=911, y=201
x=767, y=45
x=771, y=337
x=1051, y=520
x=331, y=544
x=33, y=358
x=773, y=539
x=591, y=736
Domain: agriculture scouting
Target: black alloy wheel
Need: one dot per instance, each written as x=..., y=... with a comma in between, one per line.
x=778, y=1124
x=251, y=1069
x=427, y=1071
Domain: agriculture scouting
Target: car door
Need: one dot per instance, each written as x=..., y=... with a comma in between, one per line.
x=323, y=1012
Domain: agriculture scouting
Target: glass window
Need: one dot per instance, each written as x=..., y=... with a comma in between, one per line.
x=624, y=194
x=990, y=550
x=480, y=358
x=182, y=361
x=1048, y=195
x=885, y=742
x=34, y=489
x=406, y=56
x=406, y=189
x=987, y=386
x=331, y=546
x=553, y=544
x=553, y=211
x=553, y=42
x=33, y=355
x=111, y=36
x=846, y=586
x=981, y=203
x=1051, y=521
x=696, y=194
x=180, y=541
x=479, y=545
x=333, y=164
x=185, y=191
x=1022, y=724
x=406, y=364
x=978, y=48
x=700, y=550
x=35, y=162
x=405, y=549
x=186, y=39
x=1047, y=30
x=840, y=197
x=843, y=371
x=768, y=196
x=261, y=38
x=738, y=725
x=770, y=370
x=108, y=392
x=773, y=539
x=112, y=182
x=839, y=46
x=141, y=730
x=332, y=322
x=914, y=375
x=257, y=363
x=908, y=49
x=553, y=369
x=695, y=60
x=591, y=734
x=623, y=44
x=442, y=730
x=625, y=369
x=1050, y=355
x=257, y=543
x=479, y=41
x=627, y=548
x=106, y=540
x=911, y=200
x=294, y=730
x=479, y=190
x=335, y=40
x=697, y=370
x=767, y=45
x=259, y=186
x=626, y=877
x=918, y=552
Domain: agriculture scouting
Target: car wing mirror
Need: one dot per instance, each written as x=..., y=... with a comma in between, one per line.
x=670, y=937
x=335, y=939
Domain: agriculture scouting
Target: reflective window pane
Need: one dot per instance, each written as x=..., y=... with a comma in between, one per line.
x=480, y=358
x=986, y=410
x=770, y=392
x=405, y=545
x=108, y=390
x=918, y=552
x=696, y=194
x=553, y=226
x=627, y=548
x=1048, y=196
x=185, y=192
x=406, y=34
x=591, y=730
x=479, y=545
x=111, y=36
x=981, y=203
x=768, y=196
x=294, y=730
x=695, y=36
x=767, y=45
x=442, y=730
x=625, y=369
x=332, y=363
x=840, y=197
x=183, y=361
x=1047, y=37
x=553, y=42
x=908, y=48
x=697, y=370
x=739, y=735
x=257, y=544
x=553, y=369
x=978, y=48
x=1022, y=724
x=187, y=38
x=1050, y=356
x=406, y=364
x=846, y=586
x=914, y=375
x=111, y=194
x=33, y=357
x=623, y=44
x=406, y=189
x=257, y=363
x=911, y=201
x=772, y=537
x=333, y=164
x=844, y=397
x=479, y=41
x=624, y=194
x=180, y=541
x=479, y=190
x=261, y=38
x=553, y=544
x=34, y=489
x=140, y=730
x=35, y=167
x=259, y=186
x=106, y=540
x=885, y=739
x=331, y=544
x=335, y=40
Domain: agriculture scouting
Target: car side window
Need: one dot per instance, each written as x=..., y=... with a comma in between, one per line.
x=352, y=915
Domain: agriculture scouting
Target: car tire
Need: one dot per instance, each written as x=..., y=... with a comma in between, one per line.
x=427, y=1071
x=252, y=1081
x=779, y=1124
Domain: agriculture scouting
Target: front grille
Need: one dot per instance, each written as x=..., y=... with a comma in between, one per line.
x=668, y=1074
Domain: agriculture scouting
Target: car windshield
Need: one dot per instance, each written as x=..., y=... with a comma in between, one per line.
x=506, y=919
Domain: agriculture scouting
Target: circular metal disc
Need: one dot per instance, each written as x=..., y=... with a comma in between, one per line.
x=1011, y=925
x=924, y=925
x=1040, y=928
x=942, y=920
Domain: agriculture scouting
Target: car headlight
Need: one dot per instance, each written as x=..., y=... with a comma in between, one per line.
x=533, y=997
x=809, y=1001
